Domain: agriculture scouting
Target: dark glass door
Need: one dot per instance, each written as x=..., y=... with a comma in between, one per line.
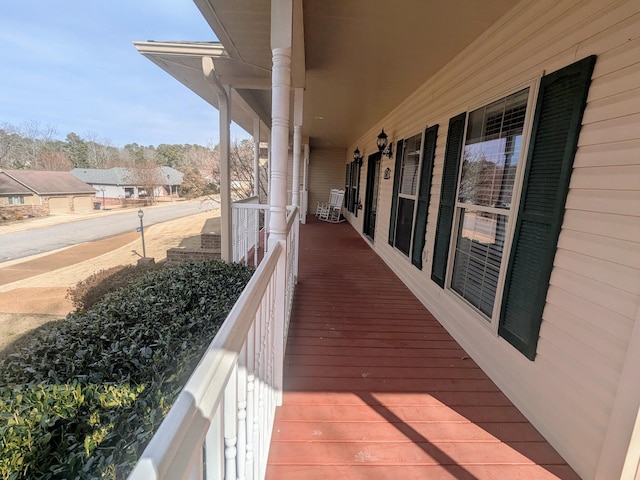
x=371, y=200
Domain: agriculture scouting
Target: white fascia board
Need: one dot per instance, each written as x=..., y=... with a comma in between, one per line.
x=208, y=49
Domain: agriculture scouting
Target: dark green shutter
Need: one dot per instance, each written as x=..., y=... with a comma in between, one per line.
x=554, y=141
x=357, y=199
x=347, y=185
x=452, y=155
x=396, y=189
x=350, y=187
x=426, y=172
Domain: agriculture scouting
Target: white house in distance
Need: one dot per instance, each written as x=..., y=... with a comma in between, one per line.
x=509, y=201
x=120, y=183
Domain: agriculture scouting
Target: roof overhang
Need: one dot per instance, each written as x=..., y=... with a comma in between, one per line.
x=355, y=59
x=250, y=85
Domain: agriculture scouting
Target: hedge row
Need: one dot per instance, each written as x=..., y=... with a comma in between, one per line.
x=84, y=398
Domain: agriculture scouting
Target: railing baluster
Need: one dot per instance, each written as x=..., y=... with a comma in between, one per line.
x=261, y=393
x=256, y=235
x=214, y=447
x=269, y=383
x=251, y=355
x=267, y=220
x=197, y=470
x=221, y=423
x=230, y=425
x=256, y=394
x=246, y=230
x=241, y=447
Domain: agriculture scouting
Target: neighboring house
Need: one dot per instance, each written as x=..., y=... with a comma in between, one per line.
x=38, y=192
x=509, y=201
x=121, y=183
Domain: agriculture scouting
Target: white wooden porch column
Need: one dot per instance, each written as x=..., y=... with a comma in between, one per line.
x=224, y=107
x=281, y=38
x=281, y=19
x=305, y=184
x=256, y=158
x=297, y=145
x=631, y=468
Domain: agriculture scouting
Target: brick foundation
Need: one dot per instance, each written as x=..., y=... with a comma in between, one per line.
x=23, y=211
x=210, y=241
x=179, y=255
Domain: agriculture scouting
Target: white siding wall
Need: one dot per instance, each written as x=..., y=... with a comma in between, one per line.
x=326, y=171
x=570, y=391
x=110, y=191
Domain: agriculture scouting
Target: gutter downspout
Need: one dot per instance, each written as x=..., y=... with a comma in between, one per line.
x=297, y=146
x=224, y=107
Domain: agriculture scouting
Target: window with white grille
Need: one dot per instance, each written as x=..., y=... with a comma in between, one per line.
x=491, y=154
x=409, y=174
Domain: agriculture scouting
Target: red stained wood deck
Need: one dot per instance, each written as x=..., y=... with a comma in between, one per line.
x=375, y=388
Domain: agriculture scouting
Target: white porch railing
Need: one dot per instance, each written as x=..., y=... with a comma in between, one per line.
x=249, y=221
x=220, y=425
x=293, y=243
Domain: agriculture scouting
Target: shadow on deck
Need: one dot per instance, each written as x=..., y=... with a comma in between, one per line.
x=375, y=388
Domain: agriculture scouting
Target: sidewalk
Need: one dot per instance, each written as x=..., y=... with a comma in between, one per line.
x=36, y=265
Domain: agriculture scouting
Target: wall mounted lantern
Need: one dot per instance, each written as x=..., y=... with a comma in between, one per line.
x=384, y=146
x=357, y=156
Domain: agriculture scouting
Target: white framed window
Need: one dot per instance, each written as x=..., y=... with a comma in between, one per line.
x=492, y=156
x=17, y=200
x=499, y=216
x=409, y=174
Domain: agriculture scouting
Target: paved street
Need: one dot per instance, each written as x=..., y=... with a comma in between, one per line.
x=32, y=242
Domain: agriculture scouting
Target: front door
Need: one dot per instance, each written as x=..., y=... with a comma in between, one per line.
x=371, y=200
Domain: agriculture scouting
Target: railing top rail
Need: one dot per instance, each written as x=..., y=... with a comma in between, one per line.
x=171, y=449
x=258, y=206
x=250, y=206
x=291, y=217
x=252, y=199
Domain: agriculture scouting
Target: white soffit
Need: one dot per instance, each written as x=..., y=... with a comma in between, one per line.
x=360, y=58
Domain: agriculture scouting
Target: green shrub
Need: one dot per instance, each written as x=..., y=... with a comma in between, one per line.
x=90, y=291
x=83, y=400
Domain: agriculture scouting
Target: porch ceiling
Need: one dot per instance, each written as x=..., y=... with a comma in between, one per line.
x=356, y=59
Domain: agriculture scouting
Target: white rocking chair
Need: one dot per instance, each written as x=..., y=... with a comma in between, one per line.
x=330, y=211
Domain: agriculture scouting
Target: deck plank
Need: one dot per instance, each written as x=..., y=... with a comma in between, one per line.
x=376, y=388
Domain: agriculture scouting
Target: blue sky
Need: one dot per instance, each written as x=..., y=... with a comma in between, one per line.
x=71, y=64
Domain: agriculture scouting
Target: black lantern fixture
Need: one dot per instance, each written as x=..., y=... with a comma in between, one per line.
x=384, y=146
x=357, y=156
